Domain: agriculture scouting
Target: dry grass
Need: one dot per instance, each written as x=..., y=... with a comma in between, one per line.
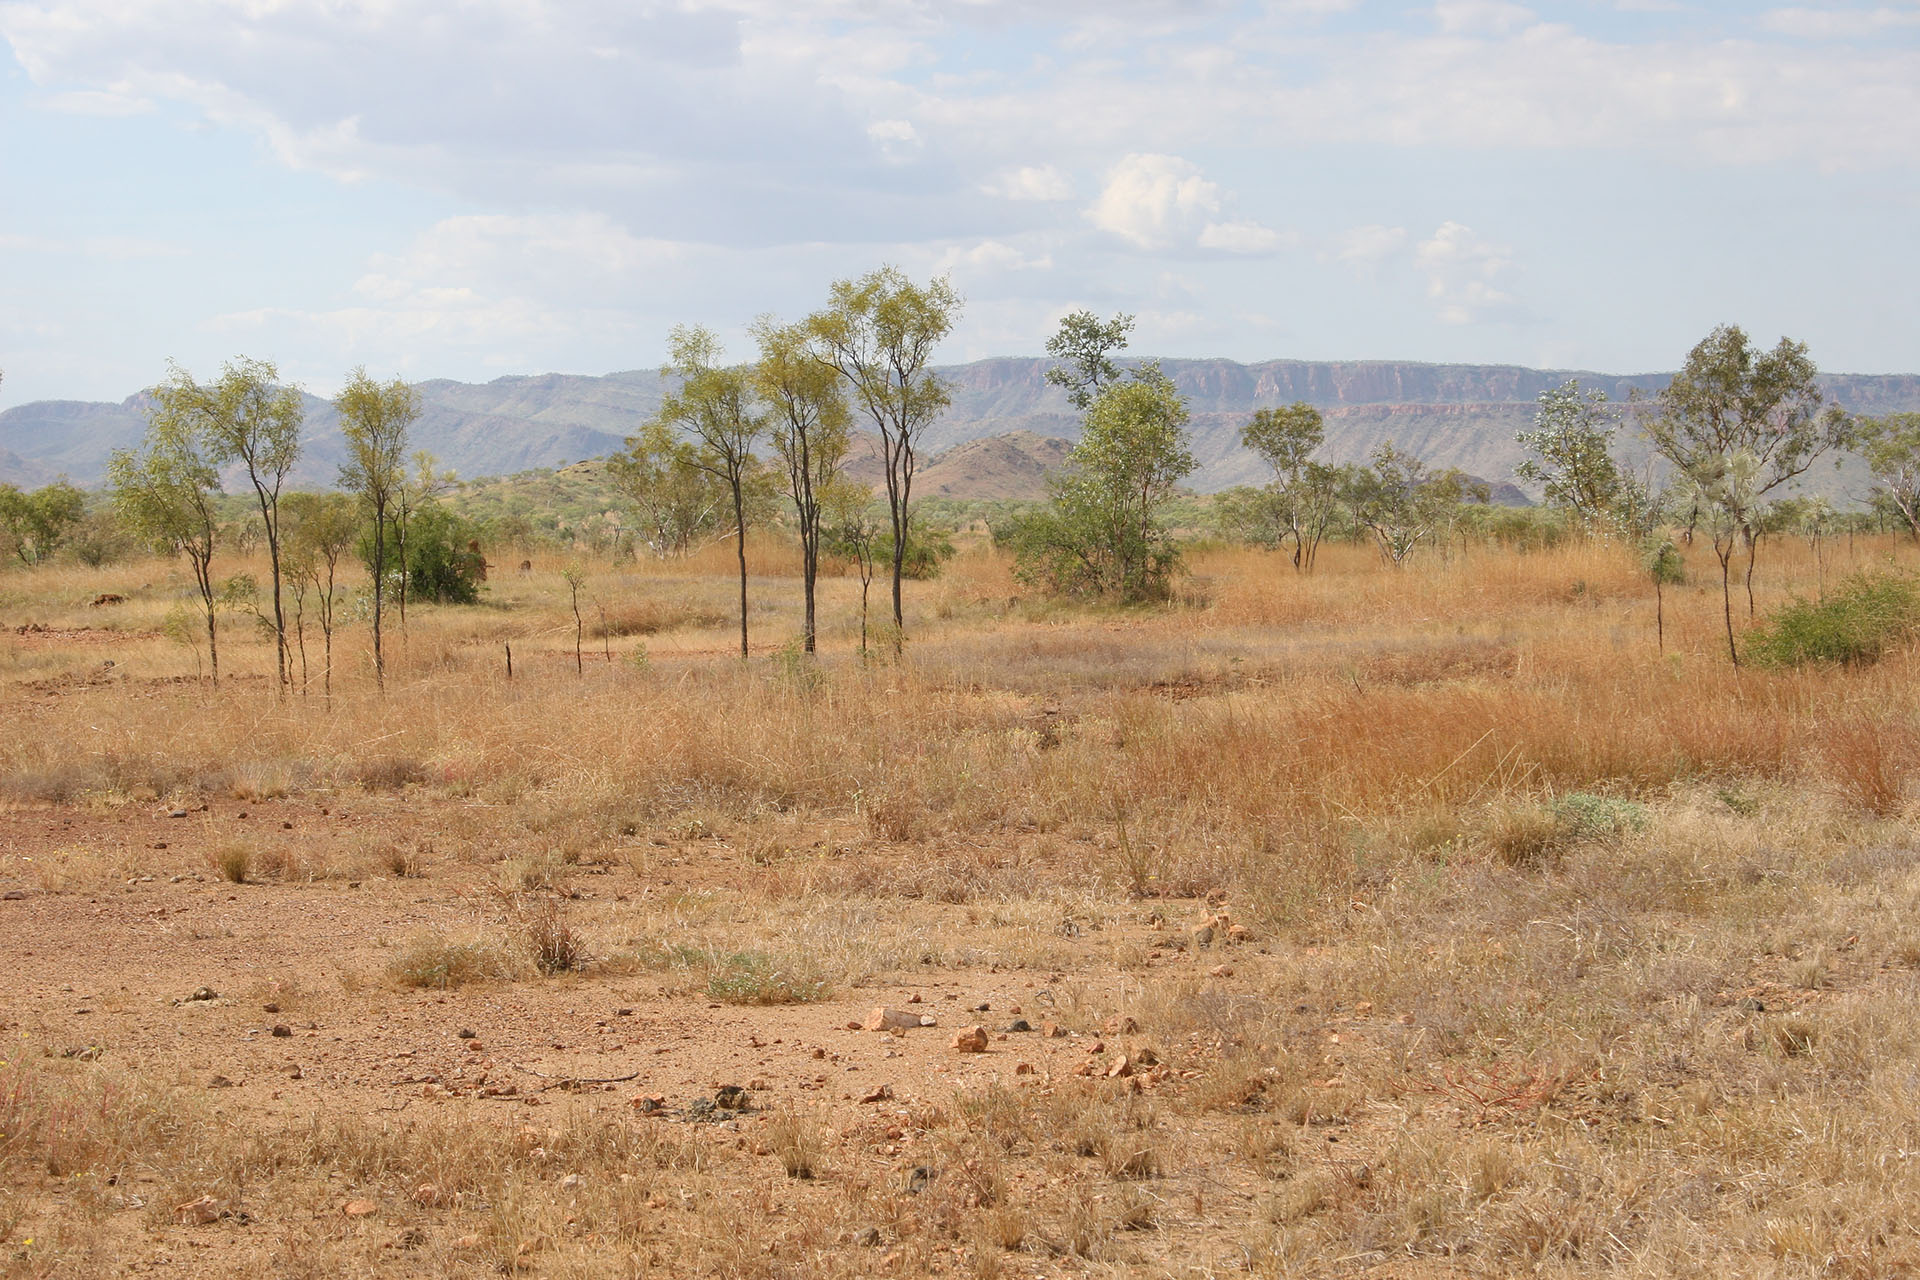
x=1564, y=957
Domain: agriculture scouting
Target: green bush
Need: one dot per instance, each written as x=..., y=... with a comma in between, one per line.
x=1864, y=617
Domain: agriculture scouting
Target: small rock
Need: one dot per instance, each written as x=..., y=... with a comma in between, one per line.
x=219, y=1082
x=1120, y=1068
x=885, y=1019
x=1121, y=1026
x=14, y=895
x=1053, y=1031
x=1019, y=1024
x=648, y=1104
x=1023, y=1068
x=853, y=1026
x=1098, y=1046
x=983, y=1007
x=474, y=1046
x=176, y=813
x=1221, y=971
x=359, y=1208
x=1364, y=1009
x=1203, y=937
x=731, y=1097
x=918, y=1177
x=270, y=1008
x=197, y=1213
x=1405, y=1019
x=467, y=1033
x=1750, y=1005
x=914, y=998
x=1015, y=1009
x=869, y=1238
x=426, y=1195
x=281, y=1030
x=883, y=1093
x=972, y=1040
x=468, y=1241
x=202, y=994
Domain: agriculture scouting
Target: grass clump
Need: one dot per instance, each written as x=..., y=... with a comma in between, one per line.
x=1866, y=615
x=437, y=963
x=756, y=978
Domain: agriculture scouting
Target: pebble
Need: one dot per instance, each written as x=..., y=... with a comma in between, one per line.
x=972, y=1040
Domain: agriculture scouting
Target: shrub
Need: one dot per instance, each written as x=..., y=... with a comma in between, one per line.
x=1863, y=618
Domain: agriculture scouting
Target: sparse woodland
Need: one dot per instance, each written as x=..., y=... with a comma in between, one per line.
x=1347, y=877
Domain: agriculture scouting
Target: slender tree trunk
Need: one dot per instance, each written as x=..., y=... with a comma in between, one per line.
x=1660, y=614
x=1753, y=552
x=1726, y=595
x=270, y=521
x=203, y=573
x=740, y=546
x=379, y=592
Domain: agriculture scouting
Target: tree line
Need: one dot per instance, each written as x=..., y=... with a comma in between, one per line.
x=733, y=443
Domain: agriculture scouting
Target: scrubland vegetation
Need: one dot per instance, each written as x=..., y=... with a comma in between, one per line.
x=1548, y=951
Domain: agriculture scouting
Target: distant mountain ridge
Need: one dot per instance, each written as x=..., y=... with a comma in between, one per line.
x=1448, y=414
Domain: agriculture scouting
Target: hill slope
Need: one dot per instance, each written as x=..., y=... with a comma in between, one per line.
x=1452, y=415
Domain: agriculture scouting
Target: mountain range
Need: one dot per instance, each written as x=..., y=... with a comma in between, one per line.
x=1013, y=423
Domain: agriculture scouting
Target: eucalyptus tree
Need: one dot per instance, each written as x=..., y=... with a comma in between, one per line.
x=1891, y=447
x=1085, y=345
x=1286, y=439
x=1739, y=423
x=1572, y=444
x=246, y=417
x=168, y=490
x=811, y=432
x=323, y=529
x=716, y=405
x=879, y=332
x=375, y=418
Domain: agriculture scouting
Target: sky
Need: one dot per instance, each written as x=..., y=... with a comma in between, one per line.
x=475, y=188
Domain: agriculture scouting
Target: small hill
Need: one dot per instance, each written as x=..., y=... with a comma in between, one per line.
x=1014, y=465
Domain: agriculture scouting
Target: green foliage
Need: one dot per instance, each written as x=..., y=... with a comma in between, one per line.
x=442, y=564
x=1572, y=441
x=1103, y=533
x=1862, y=619
x=1402, y=501
x=1304, y=492
x=1662, y=563
x=676, y=502
x=928, y=547
x=33, y=525
x=1587, y=816
x=1085, y=343
x=755, y=978
x=1891, y=447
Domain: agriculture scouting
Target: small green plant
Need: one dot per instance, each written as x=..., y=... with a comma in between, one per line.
x=754, y=977
x=1586, y=816
x=1866, y=615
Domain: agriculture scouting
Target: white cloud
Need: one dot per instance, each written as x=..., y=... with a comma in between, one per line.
x=1241, y=237
x=897, y=139
x=1462, y=271
x=1036, y=182
x=1154, y=201
x=989, y=257
x=97, y=102
x=1365, y=248
x=1837, y=23
x=1495, y=16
